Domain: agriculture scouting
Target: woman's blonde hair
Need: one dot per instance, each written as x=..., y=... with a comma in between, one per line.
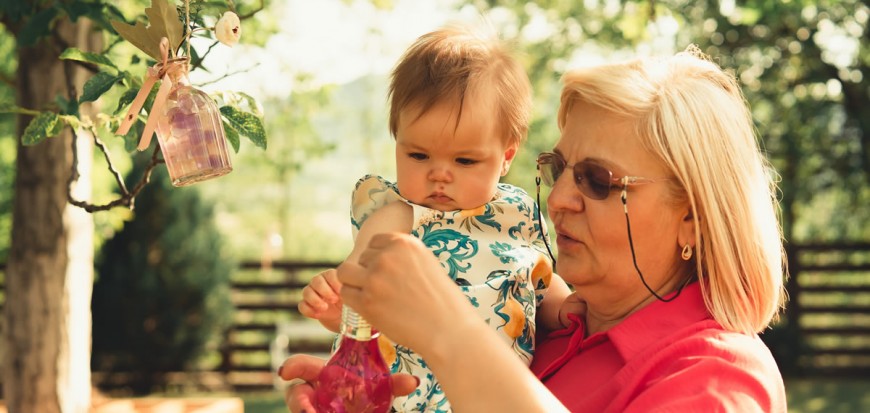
x=692, y=115
x=455, y=60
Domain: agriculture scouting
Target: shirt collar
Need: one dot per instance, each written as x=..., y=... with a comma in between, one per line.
x=658, y=319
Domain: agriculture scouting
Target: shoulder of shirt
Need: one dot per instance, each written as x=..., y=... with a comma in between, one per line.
x=710, y=339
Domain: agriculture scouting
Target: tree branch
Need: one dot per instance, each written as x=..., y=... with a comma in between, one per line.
x=128, y=197
x=252, y=13
x=228, y=75
x=198, y=63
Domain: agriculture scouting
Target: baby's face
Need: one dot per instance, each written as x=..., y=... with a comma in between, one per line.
x=445, y=166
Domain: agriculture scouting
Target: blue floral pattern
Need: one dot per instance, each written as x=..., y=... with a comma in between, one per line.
x=495, y=254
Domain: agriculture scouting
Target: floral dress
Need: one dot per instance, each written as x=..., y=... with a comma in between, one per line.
x=496, y=255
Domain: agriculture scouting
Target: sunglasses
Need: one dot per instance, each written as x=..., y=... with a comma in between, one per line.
x=593, y=180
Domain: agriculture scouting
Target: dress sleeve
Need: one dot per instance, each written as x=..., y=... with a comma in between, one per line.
x=370, y=194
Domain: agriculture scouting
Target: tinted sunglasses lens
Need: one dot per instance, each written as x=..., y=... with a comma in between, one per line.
x=593, y=180
x=551, y=167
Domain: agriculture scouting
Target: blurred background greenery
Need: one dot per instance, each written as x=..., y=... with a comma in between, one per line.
x=320, y=71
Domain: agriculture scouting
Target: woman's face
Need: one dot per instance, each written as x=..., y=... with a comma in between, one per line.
x=594, y=252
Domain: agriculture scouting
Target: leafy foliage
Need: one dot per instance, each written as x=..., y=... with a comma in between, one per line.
x=244, y=124
x=34, y=21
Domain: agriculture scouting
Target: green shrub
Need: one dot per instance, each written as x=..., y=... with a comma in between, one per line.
x=161, y=300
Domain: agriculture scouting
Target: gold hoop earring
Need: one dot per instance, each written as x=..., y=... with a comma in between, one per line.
x=687, y=252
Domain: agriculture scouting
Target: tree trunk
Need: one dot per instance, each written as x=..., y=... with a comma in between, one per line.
x=49, y=276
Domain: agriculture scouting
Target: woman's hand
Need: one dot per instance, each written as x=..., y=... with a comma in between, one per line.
x=399, y=286
x=299, y=396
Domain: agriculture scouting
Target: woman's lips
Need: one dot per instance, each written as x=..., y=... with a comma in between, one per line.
x=563, y=239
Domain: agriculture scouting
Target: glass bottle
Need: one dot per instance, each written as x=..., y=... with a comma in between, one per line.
x=356, y=378
x=190, y=131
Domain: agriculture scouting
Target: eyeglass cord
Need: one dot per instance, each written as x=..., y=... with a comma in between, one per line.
x=540, y=223
x=624, y=197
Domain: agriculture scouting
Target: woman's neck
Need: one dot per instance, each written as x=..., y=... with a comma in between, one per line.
x=606, y=310
x=603, y=316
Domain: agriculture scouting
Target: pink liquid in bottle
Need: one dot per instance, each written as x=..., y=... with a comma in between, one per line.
x=356, y=379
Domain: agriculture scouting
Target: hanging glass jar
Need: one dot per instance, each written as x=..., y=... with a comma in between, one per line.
x=190, y=131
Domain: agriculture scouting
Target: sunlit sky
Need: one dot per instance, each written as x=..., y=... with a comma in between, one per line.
x=333, y=41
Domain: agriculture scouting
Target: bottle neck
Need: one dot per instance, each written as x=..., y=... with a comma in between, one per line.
x=177, y=71
x=356, y=327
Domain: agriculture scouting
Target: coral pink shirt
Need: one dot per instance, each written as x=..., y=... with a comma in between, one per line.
x=666, y=357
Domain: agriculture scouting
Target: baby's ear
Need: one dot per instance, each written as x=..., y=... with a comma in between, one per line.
x=509, y=155
x=510, y=152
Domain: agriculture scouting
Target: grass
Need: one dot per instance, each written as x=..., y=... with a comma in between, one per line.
x=827, y=395
x=272, y=402
x=804, y=396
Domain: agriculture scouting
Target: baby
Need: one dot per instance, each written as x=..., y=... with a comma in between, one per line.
x=459, y=109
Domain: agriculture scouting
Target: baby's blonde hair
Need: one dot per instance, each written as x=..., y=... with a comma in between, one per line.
x=452, y=62
x=692, y=116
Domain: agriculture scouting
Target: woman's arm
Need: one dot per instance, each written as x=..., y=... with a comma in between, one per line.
x=399, y=287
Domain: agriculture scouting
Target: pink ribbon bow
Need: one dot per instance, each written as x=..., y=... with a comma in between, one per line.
x=159, y=71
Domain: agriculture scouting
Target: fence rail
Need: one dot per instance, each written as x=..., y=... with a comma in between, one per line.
x=829, y=303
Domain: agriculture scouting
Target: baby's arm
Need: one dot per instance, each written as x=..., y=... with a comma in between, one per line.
x=320, y=298
x=394, y=217
x=551, y=314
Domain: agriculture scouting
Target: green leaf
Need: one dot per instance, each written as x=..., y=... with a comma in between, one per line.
x=246, y=124
x=126, y=99
x=131, y=139
x=240, y=100
x=232, y=135
x=163, y=22
x=73, y=53
x=77, y=9
x=67, y=107
x=38, y=26
x=97, y=85
x=41, y=127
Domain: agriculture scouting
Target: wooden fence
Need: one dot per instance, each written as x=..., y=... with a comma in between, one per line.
x=267, y=325
x=829, y=293
x=829, y=297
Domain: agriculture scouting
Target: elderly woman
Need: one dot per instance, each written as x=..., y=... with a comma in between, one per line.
x=666, y=228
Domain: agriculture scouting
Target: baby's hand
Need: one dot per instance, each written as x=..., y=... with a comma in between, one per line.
x=321, y=300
